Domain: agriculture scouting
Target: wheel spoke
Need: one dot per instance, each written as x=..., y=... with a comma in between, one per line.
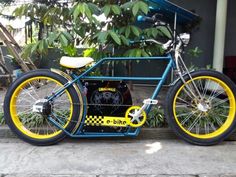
x=188, y=117
x=207, y=115
x=220, y=102
x=195, y=122
x=38, y=123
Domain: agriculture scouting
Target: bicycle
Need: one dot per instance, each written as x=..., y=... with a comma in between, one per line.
x=200, y=105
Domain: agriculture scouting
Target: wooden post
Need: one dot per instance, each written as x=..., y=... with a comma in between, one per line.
x=15, y=49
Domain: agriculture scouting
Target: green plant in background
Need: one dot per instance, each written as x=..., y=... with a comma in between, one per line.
x=194, y=53
x=156, y=118
x=2, y=120
x=92, y=24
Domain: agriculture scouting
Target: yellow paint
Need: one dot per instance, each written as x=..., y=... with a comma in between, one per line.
x=67, y=66
x=16, y=119
x=115, y=121
x=63, y=74
x=229, y=119
x=106, y=121
x=106, y=89
x=129, y=119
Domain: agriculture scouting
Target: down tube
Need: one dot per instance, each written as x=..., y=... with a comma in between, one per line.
x=160, y=84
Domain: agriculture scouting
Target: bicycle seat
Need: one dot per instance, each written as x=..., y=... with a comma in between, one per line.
x=75, y=62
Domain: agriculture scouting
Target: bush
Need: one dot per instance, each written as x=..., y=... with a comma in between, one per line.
x=156, y=118
x=2, y=120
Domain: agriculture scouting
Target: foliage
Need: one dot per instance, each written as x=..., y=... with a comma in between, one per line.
x=156, y=118
x=195, y=52
x=6, y=1
x=64, y=26
x=2, y=120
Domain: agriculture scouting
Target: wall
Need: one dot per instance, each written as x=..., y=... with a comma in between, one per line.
x=203, y=37
x=230, y=47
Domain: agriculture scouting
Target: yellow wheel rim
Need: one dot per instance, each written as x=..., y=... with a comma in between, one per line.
x=26, y=91
x=212, y=122
x=139, y=121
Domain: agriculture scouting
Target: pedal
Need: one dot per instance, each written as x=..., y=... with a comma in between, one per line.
x=150, y=101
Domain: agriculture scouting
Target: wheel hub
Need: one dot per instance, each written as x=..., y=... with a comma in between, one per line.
x=42, y=106
x=204, y=107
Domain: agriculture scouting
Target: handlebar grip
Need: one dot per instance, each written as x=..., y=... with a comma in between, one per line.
x=146, y=19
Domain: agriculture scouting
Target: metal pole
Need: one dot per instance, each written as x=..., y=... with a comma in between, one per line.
x=220, y=28
x=175, y=32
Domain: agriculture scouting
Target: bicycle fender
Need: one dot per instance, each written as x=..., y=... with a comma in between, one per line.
x=67, y=77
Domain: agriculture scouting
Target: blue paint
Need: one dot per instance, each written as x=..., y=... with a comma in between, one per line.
x=77, y=79
x=168, y=9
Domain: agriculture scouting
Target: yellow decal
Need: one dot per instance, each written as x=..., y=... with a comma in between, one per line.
x=115, y=122
x=94, y=120
x=106, y=121
x=107, y=89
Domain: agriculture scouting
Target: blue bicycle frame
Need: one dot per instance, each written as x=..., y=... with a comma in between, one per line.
x=85, y=76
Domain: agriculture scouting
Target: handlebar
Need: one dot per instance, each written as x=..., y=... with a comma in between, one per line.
x=154, y=19
x=165, y=46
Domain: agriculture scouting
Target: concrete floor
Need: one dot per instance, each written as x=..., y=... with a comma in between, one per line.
x=113, y=158
x=2, y=96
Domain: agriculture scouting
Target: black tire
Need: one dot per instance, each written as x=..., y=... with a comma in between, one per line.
x=175, y=124
x=38, y=141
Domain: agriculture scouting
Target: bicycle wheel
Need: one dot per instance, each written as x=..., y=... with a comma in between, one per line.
x=27, y=110
x=202, y=111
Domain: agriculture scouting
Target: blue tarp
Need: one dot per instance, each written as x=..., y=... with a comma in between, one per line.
x=168, y=9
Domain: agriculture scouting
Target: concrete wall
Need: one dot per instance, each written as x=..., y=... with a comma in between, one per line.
x=203, y=36
x=230, y=46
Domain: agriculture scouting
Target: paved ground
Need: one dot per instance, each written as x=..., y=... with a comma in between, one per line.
x=2, y=95
x=113, y=158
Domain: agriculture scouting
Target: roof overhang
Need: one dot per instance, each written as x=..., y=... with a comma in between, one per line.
x=170, y=10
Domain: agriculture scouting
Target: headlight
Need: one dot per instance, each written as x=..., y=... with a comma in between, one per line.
x=185, y=38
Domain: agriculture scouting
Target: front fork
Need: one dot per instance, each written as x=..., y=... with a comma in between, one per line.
x=181, y=71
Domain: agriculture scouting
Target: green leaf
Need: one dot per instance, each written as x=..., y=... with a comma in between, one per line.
x=102, y=37
x=94, y=8
x=124, y=40
x=107, y=9
x=143, y=7
x=115, y=37
x=116, y=9
x=67, y=35
x=45, y=46
x=87, y=11
x=52, y=37
x=27, y=51
x=154, y=32
x=127, y=5
x=127, y=31
x=70, y=50
x=82, y=8
x=144, y=53
x=77, y=11
x=89, y=52
x=41, y=47
x=138, y=52
x=135, y=9
x=63, y=40
x=34, y=47
x=164, y=31
x=135, y=30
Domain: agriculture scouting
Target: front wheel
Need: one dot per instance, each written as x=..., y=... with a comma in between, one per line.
x=27, y=109
x=202, y=111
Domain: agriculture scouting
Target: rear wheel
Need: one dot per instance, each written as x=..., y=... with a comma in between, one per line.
x=202, y=111
x=27, y=109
